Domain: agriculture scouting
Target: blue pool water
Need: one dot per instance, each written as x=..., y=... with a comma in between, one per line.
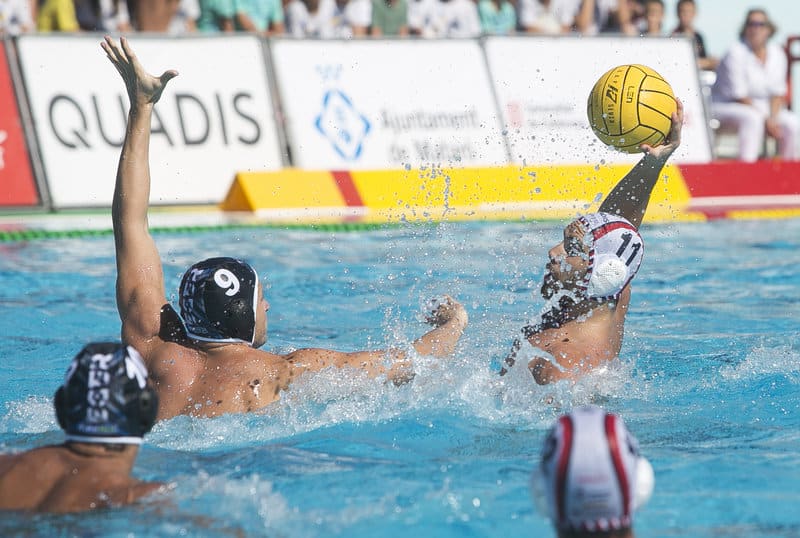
x=708, y=382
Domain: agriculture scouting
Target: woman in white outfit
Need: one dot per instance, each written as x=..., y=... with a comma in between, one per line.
x=749, y=95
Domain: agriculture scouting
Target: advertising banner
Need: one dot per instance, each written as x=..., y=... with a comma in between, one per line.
x=213, y=120
x=370, y=104
x=543, y=83
x=17, y=185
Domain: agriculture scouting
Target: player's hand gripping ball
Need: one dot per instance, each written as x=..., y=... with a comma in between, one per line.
x=631, y=105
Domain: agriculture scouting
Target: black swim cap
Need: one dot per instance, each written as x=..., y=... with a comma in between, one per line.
x=105, y=397
x=218, y=300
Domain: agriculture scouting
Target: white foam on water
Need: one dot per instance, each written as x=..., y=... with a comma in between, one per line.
x=764, y=360
x=249, y=498
x=34, y=414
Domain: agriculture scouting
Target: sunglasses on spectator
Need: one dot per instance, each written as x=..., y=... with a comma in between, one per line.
x=756, y=24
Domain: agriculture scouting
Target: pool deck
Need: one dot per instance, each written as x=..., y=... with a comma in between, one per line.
x=768, y=189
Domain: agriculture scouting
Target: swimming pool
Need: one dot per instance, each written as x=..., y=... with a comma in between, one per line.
x=708, y=383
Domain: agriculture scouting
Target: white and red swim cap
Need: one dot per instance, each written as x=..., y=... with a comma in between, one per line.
x=615, y=254
x=591, y=477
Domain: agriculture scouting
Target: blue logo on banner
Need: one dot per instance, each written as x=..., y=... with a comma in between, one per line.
x=344, y=126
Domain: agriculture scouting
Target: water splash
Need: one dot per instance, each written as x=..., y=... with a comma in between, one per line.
x=32, y=415
x=783, y=360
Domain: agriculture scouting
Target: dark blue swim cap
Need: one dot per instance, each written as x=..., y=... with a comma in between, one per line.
x=218, y=301
x=105, y=397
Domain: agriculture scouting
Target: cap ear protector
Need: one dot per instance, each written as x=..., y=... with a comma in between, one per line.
x=106, y=397
x=607, y=278
x=615, y=254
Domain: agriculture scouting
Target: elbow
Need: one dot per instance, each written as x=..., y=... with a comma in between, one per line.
x=544, y=372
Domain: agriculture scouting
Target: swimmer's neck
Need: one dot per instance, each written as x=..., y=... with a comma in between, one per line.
x=123, y=453
x=584, y=310
x=222, y=350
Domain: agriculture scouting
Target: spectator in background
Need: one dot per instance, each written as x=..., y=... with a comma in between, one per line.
x=652, y=23
x=216, y=16
x=57, y=16
x=498, y=17
x=687, y=11
x=548, y=16
x=389, y=18
x=152, y=15
x=311, y=18
x=749, y=95
x=264, y=17
x=184, y=21
x=16, y=17
x=591, y=478
x=605, y=16
x=423, y=17
x=110, y=16
x=352, y=18
x=460, y=19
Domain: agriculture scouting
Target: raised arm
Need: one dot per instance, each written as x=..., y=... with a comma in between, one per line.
x=629, y=199
x=140, y=281
x=449, y=320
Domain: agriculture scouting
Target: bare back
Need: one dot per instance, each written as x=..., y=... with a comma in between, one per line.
x=230, y=379
x=581, y=345
x=56, y=479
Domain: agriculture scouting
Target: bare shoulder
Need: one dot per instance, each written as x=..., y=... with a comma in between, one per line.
x=173, y=362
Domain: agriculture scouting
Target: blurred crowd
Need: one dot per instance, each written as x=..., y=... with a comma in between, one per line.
x=341, y=18
x=747, y=88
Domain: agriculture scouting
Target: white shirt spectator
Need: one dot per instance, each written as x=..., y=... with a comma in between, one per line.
x=548, y=19
x=301, y=23
x=114, y=16
x=603, y=9
x=353, y=14
x=15, y=17
x=741, y=74
x=424, y=17
x=460, y=18
x=358, y=13
x=185, y=19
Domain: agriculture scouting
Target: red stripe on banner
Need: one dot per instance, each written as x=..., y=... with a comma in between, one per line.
x=17, y=185
x=348, y=188
x=734, y=178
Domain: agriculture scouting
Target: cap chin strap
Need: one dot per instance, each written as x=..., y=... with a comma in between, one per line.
x=130, y=440
x=608, y=277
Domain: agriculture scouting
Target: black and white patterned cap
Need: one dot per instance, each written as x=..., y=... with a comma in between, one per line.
x=218, y=301
x=105, y=397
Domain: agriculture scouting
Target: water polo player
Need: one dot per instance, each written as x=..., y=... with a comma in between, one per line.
x=205, y=362
x=105, y=407
x=587, y=280
x=591, y=477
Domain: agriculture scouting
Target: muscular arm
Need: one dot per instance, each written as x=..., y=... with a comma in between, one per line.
x=140, y=282
x=629, y=199
x=449, y=319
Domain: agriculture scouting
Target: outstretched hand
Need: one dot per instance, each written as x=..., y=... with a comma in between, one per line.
x=446, y=309
x=673, y=140
x=143, y=88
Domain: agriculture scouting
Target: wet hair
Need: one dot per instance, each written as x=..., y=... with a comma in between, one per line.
x=105, y=397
